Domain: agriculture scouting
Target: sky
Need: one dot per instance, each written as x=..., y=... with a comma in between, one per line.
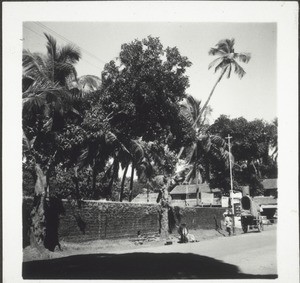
x=253, y=96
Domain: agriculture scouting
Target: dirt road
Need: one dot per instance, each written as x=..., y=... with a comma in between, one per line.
x=251, y=255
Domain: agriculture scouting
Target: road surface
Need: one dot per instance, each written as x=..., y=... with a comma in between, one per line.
x=251, y=255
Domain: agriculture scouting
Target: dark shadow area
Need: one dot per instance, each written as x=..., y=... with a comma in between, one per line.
x=53, y=208
x=135, y=266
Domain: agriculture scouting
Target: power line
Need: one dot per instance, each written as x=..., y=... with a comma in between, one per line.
x=69, y=41
x=33, y=31
x=66, y=40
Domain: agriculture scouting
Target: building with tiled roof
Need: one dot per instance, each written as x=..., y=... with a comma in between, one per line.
x=187, y=195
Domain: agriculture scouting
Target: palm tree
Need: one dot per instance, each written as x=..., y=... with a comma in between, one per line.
x=226, y=61
x=46, y=100
x=88, y=84
x=57, y=66
x=207, y=151
x=191, y=109
x=132, y=154
x=45, y=78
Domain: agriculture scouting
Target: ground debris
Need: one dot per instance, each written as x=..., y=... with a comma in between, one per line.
x=141, y=239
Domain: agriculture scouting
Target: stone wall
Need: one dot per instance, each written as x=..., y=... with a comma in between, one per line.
x=196, y=217
x=108, y=220
x=95, y=220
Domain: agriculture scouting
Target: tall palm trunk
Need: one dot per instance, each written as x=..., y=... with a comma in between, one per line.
x=203, y=108
x=123, y=182
x=131, y=182
x=209, y=97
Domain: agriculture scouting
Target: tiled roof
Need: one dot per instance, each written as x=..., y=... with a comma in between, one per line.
x=269, y=184
x=192, y=189
x=265, y=200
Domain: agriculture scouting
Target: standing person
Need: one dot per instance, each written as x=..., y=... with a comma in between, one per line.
x=228, y=224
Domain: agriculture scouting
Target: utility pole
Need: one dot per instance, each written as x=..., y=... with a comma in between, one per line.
x=197, y=176
x=231, y=184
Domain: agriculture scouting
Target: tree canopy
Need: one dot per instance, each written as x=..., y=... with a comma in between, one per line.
x=253, y=143
x=142, y=90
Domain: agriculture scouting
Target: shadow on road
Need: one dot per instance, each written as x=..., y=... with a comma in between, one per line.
x=134, y=266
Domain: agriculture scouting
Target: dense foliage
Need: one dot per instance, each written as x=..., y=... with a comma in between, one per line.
x=142, y=90
x=79, y=134
x=82, y=139
x=253, y=146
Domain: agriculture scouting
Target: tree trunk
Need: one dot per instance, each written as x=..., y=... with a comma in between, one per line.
x=197, y=184
x=208, y=99
x=108, y=191
x=203, y=108
x=123, y=182
x=131, y=182
x=38, y=225
x=77, y=194
x=165, y=211
x=164, y=222
x=95, y=194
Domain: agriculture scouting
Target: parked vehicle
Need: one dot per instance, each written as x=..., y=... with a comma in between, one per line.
x=250, y=215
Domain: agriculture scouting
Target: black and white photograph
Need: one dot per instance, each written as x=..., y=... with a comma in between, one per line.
x=150, y=141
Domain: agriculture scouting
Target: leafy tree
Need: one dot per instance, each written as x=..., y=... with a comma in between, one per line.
x=100, y=146
x=142, y=90
x=251, y=143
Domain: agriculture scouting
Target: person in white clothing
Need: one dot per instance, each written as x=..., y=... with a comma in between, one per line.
x=228, y=224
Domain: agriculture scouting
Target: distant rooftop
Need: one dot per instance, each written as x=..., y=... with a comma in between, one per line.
x=269, y=184
x=192, y=189
x=265, y=200
x=142, y=198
